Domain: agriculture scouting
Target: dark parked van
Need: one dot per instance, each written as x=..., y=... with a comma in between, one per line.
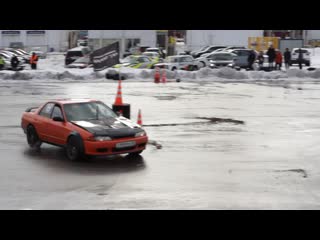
x=75, y=53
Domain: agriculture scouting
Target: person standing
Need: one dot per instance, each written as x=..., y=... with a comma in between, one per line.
x=14, y=62
x=278, y=60
x=260, y=60
x=34, y=61
x=1, y=63
x=251, y=59
x=287, y=58
x=300, y=58
x=271, y=56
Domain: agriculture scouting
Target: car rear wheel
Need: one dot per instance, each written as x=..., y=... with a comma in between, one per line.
x=32, y=137
x=74, y=149
x=203, y=64
x=173, y=69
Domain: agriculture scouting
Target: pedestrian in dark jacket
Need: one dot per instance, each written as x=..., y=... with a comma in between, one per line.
x=300, y=58
x=14, y=62
x=287, y=58
x=271, y=57
x=260, y=60
x=251, y=59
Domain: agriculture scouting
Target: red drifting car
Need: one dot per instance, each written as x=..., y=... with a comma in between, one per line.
x=83, y=127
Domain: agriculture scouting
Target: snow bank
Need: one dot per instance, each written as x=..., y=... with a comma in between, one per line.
x=52, y=68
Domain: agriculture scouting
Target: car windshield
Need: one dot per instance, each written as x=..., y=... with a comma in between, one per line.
x=204, y=48
x=88, y=111
x=302, y=50
x=173, y=59
x=130, y=59
x=150, y=54
x=222, y=57
x=82, y=60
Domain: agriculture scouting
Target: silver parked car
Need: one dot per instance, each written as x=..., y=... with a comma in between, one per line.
x=222, y=59
x=242, y=56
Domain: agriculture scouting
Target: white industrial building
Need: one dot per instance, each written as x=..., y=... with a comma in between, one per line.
x=154, y=38
x=56, y=40
x=196, y=39
x=127, y=38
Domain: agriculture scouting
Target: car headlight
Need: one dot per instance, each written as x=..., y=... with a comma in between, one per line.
x=99, y=138
x=140, y=134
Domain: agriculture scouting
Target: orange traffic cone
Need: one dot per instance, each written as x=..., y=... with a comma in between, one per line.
x=164, y=78
x=157, y=76
x=118, y=100
x=139, y=118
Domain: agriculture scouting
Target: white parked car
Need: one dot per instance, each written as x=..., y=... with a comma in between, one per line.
x=38, y=52
x=305, y=53
x=180, y=62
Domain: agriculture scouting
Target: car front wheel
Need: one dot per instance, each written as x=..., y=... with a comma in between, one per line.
x=74, y=150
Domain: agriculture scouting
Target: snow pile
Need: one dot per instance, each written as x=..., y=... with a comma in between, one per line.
x=52, y=68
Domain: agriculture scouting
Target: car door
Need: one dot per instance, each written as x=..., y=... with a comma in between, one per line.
x=42, y=121
x=57, y=130
x=185, y=62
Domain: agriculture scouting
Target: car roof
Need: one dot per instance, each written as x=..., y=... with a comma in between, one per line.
x=300, y=48
x=72, y=100
x=76, y=49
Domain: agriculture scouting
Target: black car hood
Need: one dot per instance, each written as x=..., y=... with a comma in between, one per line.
x=112, y=127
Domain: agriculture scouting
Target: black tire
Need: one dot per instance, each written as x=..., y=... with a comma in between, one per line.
x=173, y=69
x=108, y=76
x=32, y=137
x=134, y=154
x=308, y=64
x=203, y=64
x=74, y=149
x=195, y=68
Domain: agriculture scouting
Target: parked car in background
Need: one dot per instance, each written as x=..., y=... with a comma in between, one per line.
x=206, y=50
x=75, y=53
x=7, y=61
x=153, y=55
x=305, y=53
x=83, y=62
x=222, y=59
x=242, y=56
x=24, y=55
x=38, y=52
x=137, y=61
x=157, y=50
x=11, y=54
x=180, y=62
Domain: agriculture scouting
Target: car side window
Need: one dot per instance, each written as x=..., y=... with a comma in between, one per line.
x=57, y=112
x=47, y=110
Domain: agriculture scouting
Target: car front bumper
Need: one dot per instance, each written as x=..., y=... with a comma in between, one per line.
x=109, y=147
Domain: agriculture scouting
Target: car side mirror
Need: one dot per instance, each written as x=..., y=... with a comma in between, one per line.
x=57, y=119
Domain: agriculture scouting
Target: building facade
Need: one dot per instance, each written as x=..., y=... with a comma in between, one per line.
x=46, y=40
x=196, y=39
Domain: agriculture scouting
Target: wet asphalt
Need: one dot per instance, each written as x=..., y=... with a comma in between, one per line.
x=224, y=146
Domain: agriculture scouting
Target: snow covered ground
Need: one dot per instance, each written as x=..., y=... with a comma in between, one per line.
x=52, y=68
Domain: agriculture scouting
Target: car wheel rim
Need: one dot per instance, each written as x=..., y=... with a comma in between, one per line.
x=72, y=152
